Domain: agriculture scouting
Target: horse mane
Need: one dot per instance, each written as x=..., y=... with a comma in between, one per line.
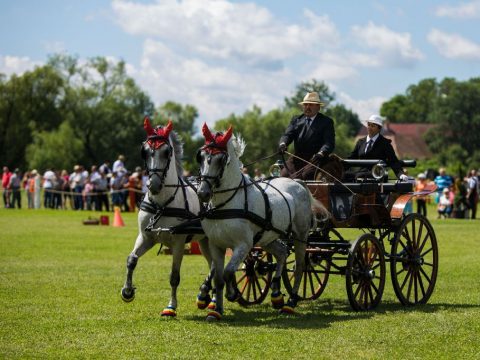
x=238, y=144
x=177, y=145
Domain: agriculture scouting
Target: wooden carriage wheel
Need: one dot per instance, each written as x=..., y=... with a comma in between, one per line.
x=316, y=273
x=414, y=260
x=365, y=273
x=254, y=277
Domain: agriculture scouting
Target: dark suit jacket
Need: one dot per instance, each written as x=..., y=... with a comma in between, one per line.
x=320, y=136
x=382, y=149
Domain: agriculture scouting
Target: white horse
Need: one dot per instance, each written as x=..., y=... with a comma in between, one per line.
x=169, y=205
x=242, y=213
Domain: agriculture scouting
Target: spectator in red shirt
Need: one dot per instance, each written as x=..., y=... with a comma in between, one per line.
x=6, y=175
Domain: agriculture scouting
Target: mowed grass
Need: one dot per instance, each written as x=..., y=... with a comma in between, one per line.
x=60, y=298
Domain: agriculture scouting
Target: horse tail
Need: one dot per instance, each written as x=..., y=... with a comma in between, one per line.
x=319, y=212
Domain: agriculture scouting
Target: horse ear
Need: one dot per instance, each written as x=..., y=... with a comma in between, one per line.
x=168, y=128
x=207, y=133
x=228, y=134
x=223, y=139
x=148, y=126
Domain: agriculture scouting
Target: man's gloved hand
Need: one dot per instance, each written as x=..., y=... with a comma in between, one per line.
x=282, y=147
x=403, y=177
x=318, y=156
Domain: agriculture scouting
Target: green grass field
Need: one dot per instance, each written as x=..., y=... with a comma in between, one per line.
x=60, y=298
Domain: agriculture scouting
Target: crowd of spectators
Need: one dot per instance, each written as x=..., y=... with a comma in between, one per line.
x=99, y=189
x=455, y=197
x=104, y=187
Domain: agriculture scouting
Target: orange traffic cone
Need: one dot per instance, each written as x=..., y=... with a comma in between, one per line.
x=117, y=218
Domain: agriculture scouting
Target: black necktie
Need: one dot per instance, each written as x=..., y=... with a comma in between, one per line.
x=309, y=122
x=369, y=145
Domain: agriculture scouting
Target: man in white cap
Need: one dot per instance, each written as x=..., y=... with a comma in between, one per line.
x=377, y=147
x=313, y=137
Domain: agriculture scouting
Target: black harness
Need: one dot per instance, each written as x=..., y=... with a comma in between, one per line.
x=264, y=223
x=152, y=207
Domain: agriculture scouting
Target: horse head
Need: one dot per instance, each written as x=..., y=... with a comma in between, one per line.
x=212, y=157
x=157, y=154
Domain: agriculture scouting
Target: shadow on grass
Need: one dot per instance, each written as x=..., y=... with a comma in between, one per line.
x=317, y=314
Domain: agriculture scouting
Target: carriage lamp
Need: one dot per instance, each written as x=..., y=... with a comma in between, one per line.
x=276, y=168
x=378, y=170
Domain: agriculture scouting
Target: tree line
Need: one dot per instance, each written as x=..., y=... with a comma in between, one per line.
x=67, y=112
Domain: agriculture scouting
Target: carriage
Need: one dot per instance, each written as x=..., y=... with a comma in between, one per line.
x=375, y=207
x=239, y=215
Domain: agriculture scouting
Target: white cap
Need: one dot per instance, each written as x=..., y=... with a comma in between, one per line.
x=374, y=119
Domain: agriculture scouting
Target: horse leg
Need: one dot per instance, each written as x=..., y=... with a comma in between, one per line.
x=239, y=254
x=280, y=252
x=300, y=249
x=218, y=263
x=141, y=247
x=203, y=297
x=177, y=247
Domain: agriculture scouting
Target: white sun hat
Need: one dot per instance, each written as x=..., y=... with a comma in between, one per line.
x=374, y=119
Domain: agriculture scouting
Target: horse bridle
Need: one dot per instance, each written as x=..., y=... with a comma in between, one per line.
x=210, y=150
x=161, y=173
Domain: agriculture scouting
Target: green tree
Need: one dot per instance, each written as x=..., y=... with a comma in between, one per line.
x=28, y=103
x=183, y=118
x=309, y=86
x=104, y=107
x=416, y=106
x=58, y=149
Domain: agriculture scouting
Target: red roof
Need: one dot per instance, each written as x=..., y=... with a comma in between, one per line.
x=407, y=139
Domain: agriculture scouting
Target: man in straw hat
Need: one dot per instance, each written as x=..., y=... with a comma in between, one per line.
x=313, y=137
x=376, y=147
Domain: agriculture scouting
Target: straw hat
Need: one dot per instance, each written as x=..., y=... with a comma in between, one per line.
x=34, y=172
x=421, y=176
x=311, y=98
x=374, y=119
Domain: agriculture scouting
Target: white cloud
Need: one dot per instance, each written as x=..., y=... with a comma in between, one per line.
x=244, y=32
x=454, y=46
x=16, y=65
x=216, y=91
x=468, y=10
x=389, y=47
x=364, y=108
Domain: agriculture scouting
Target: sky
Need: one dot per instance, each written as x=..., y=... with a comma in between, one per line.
x=225, y=56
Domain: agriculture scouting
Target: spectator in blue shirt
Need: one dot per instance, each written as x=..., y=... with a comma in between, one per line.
x=443, y=181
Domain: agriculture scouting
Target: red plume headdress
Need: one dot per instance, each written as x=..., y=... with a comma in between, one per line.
x=158, y=136
x=218, y=142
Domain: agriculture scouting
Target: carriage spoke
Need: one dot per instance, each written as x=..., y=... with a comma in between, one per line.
x=427, y=236
x=415, y=285
x=414, y=238
x=370, y=293
x=357, y=291
x=428, y=278
x=312, y=283
x=244, y=275
x=407, y=276
x=420, y=282
x=426, y=252
x=419, y=237
x=410, y=283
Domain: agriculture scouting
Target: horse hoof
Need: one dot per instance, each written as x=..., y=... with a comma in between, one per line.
x=203, y=302
x=287, y=310
x=213, y=316
x=127, y=295
x=213, y=304
x=234, y=298
x=169, y=312
x=277, y=301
